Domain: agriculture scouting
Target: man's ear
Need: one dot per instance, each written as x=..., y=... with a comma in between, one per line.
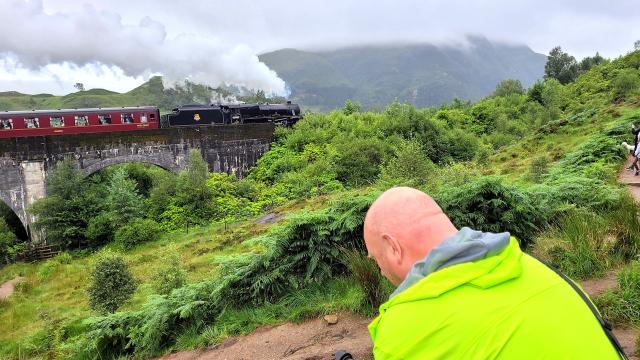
x=394, y=249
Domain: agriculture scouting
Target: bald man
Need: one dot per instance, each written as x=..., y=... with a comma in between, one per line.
x=465, y=294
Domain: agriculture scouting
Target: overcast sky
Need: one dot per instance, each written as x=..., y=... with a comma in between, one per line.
x=48, y=45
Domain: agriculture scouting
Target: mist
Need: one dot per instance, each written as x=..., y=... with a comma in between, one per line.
x=99, y=42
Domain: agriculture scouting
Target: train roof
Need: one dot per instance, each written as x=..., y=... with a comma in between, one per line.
x=79, y=110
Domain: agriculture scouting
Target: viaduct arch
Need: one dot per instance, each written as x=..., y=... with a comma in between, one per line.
x=25, y=162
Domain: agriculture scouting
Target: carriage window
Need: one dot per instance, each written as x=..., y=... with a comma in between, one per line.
x=31, y=123
x=143, y=118
x=104, y=119
x=152, y=116
x=127, y=118
x=6, y=124
x=82, y=120
x=57, y=121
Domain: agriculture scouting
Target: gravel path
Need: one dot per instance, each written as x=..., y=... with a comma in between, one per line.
x=6, y=289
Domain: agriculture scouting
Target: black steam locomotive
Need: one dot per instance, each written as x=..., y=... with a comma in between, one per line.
x=190, y=115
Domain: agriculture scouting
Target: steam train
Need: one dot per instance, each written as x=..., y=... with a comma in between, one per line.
x=99, y=120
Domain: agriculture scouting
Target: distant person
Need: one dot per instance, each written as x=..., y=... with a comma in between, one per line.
x=465, y=294
x=635, y=165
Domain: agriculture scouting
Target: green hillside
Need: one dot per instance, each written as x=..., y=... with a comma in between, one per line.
x=542, y=165
x=424, y=75
x=150, y=93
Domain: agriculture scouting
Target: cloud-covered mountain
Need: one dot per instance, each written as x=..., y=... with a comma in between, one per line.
x=422, y=74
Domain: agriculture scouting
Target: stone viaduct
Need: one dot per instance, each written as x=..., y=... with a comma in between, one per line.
x=25, y=162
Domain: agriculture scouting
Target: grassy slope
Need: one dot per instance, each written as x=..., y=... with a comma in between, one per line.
x=59, y=290
x=146, y=94
x=514, y=161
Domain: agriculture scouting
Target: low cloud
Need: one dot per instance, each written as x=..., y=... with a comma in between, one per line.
x=98, y=40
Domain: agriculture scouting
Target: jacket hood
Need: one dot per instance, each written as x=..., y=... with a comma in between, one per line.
x=484, y=266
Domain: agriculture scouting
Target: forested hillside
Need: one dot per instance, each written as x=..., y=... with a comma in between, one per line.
x=157, y=262
x=421, y=74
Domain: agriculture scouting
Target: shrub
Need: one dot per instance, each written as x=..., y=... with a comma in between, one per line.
x=592, y=194
x=111, y=283
x=539, y=167
x=100, y=230
x=625, y=84
x=64, y=258
x=47, y=268
x=169, y=275
x=487, y=204
x=137, y=232
x=410, y=166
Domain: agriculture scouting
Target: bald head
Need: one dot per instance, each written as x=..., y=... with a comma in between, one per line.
x=401, y=227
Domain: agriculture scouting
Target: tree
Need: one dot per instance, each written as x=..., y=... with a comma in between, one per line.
x=508, y=87
x=590, y=61
x=636, y=45
x=79, y=86
x=192, y=193
x=123, y=200
x=112, y=284
x=561, y=66
x=410, y=166
x=169, y=275
x=351, y=107
x=625, y=83
x=261, y=97
x=63, y=215
x=9, y=245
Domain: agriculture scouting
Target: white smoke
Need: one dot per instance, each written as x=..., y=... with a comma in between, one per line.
x=89, y=36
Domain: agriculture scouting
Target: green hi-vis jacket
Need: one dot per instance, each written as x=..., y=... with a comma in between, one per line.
x=506, y=306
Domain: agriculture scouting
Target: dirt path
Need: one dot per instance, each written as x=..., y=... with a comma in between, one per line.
x=626, y=335
x=6, y=289
x=311, y=340
x=628, y=177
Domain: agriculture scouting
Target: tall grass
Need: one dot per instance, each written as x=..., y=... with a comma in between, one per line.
x=577, y=244
x=623, y=304
x=366, y=272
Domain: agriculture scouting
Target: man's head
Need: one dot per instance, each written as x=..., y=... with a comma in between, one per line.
x=401, y=227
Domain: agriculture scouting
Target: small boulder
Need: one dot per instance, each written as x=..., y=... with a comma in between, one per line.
x=331, y=319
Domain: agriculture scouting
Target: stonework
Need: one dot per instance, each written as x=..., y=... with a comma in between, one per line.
x=25, y=162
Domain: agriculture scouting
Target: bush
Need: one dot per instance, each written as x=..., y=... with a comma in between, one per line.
x=64, y=258
x=539, y=167
x=487, y=204
x=170, y=275
x=100, y=230
x=137, y=232
x=409, y=167
x=111, y=283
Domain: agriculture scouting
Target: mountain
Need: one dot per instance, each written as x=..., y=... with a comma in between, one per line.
x=423, y=74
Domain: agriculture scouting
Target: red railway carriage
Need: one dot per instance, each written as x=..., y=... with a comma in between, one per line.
x=77, y=121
